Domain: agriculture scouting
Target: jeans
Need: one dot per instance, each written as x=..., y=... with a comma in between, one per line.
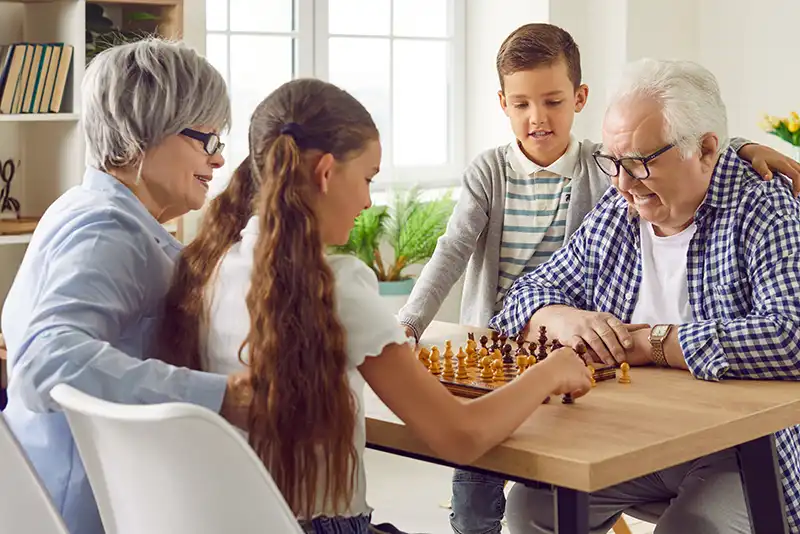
x=478, y=503
x=347, y=525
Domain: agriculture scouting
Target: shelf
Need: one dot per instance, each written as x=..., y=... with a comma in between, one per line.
x=40, y=117
x=19, y=239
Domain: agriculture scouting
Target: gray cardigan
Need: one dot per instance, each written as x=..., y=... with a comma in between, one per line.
x=472, y=238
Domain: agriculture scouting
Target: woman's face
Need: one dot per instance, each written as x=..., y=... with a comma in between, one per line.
x=176, y=173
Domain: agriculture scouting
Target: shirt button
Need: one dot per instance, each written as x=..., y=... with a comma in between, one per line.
x=628, y=296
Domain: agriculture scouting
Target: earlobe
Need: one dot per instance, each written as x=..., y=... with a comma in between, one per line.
x=323, y=171
x=708, y=149
x=581, y=96
x=503, y=103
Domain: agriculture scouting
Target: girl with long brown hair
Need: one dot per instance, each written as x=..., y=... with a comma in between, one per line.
x=312, y=328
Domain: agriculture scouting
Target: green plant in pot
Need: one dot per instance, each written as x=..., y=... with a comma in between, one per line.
x=409, y=226
x=102, y=35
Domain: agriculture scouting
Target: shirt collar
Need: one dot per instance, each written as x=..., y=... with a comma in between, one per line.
x=563, y=166
x=97, y=180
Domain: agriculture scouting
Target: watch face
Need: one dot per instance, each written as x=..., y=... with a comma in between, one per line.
x=660, y=330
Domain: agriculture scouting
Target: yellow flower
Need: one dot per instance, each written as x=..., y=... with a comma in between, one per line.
x=775, y=121
x=794, y=116
x=793, y=125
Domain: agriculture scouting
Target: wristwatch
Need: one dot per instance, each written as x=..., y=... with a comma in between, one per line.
x=657, y=336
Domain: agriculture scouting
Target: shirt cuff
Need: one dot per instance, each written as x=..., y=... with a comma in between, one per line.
x=703, y=350
x=413, y=327
x=206, y=389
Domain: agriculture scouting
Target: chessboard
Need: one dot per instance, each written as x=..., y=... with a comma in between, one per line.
x=476, y=370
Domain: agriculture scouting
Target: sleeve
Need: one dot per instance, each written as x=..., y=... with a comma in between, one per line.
x=737, y=143
x=764, y=344
x=368, y=322
x=453, y=249
x=92, y=288
x=560, y=280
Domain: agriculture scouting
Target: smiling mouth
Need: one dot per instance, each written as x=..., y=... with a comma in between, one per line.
x=203, y=179
x=541, y=134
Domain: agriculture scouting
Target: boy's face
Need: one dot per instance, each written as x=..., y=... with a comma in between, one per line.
x=541, y=104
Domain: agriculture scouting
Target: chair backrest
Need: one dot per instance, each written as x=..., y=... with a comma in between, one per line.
x=172, y=468
x=25, y=505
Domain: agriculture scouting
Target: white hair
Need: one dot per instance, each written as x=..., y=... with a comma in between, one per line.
x=135, y=95
x=689, y=97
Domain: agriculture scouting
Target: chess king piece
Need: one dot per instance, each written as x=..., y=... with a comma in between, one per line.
x=625, y=378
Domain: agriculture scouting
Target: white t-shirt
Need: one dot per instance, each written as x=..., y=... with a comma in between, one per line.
x=664, y=293
x=368, y=324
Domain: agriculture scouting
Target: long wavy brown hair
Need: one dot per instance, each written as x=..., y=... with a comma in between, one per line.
x=302, y=418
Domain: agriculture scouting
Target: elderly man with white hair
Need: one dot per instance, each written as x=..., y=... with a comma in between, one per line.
x=698, y=259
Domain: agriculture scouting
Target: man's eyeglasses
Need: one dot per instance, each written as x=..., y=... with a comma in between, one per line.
x=634, y=166
x=211, y=143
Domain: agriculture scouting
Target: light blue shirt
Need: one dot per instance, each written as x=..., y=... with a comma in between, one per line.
x=84, y=310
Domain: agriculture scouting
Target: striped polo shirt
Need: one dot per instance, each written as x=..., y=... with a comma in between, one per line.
x=535, y=215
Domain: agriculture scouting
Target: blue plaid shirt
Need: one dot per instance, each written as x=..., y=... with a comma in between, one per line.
x=743, y=270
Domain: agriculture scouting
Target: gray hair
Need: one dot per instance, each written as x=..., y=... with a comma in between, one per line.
x=688, y=95
x=135, y=95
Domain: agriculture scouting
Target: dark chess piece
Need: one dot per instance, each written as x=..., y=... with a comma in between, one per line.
x=484, y=340
x=495, y=340
x=556, y=344
x=567, y=399
x=503, y=338
x=471, y=336
x=507, y=358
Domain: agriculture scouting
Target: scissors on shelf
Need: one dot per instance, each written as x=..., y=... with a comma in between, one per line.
x=7, y=203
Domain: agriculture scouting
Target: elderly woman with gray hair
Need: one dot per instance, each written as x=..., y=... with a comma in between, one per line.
x=87, y=299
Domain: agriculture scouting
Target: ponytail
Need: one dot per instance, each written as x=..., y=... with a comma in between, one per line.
x=302, y=419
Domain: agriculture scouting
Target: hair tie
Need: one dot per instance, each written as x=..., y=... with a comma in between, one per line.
x=293, y=129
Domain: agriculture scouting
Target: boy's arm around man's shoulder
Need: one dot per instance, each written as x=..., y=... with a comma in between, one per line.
x=454, y=249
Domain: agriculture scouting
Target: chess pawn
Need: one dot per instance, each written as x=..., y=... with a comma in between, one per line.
x=626, y=377
x=486, y=368
x=484, y=353
x=498, y=370
x=591, y=370
x=425, y=357
x=503, y=338
x=449, y=373
x=497, y=355
x=555, y=344
x=435, y=360
x=531, y=361
x=461, y=371
x=522, y=363
x=484, y=341
x=448, y=349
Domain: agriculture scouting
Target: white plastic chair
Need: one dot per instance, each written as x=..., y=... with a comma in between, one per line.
x=172, y=468
x=25, y=505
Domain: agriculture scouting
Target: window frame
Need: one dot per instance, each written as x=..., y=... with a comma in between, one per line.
x=311, y=52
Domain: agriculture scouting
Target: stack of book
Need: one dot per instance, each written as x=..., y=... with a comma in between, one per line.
x=33, y=77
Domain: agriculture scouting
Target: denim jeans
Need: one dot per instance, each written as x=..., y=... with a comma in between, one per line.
x=347, y=525
x=478, y=503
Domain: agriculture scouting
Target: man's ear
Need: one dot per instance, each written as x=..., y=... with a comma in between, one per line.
x=581, y=96
x=709, y=145
x=323, y=171
x=503, y=103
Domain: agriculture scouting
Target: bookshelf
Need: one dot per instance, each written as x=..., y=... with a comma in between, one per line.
x=49, y=146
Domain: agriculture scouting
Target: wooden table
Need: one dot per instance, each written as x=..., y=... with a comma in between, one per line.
x=622, y=431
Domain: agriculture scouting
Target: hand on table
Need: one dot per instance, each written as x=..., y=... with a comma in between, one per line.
x=606, y=337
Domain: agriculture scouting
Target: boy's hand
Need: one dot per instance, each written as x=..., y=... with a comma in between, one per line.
x=238, y=397
x=766, y=160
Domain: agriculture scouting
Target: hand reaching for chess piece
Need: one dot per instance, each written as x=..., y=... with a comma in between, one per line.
x=567, y=372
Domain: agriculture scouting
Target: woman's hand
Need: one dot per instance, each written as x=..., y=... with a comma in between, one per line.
x=238, y=397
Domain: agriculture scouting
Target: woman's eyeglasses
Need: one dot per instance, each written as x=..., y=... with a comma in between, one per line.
x=211, y=143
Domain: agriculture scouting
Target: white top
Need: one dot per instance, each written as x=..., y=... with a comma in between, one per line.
x=664, y=292
x=566, y=165
x=368, y=323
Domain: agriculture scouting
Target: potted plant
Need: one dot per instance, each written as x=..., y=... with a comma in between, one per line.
x=786, y=128
x=409, y=227
x=101, y=33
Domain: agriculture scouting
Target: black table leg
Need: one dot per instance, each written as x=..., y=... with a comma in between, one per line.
x=763, y=493
x=572, y=511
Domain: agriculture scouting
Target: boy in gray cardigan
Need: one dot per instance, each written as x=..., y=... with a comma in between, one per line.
x=519, y=203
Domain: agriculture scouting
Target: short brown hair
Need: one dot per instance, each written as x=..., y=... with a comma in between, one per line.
x=534, y=45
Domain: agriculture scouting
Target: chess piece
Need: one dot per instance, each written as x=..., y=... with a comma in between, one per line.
x=542, y=350
x=507, y=358
x=567, y=399
x=470, y=351
x=532, y=347
x=522, y=364
x=448, y=349
x=486, y=367
x=503, y=338
x=435, y=369
x=555, y=344
x=471, y=336
x=483, y=353
x=580, y=348
x=625, y=378
x=449, y=373
x=484, y=340
x=531, y=361
x=425, y=357
x=497, y=355
x=461, y=370
x=495, y=340
x=498, y=370
x=591, y=370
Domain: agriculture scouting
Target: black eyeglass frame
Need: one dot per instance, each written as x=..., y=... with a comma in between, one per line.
x=206, y=139
x=620, y=162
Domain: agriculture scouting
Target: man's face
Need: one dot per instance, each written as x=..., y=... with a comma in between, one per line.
x=676, y=187
x=541, y=104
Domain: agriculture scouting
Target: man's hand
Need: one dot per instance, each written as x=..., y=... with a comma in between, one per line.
x=604, y=335
x=766, y=160
x=639, y=354
x=237, y=400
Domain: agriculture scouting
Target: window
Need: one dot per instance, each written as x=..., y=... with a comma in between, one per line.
x=403, y=59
